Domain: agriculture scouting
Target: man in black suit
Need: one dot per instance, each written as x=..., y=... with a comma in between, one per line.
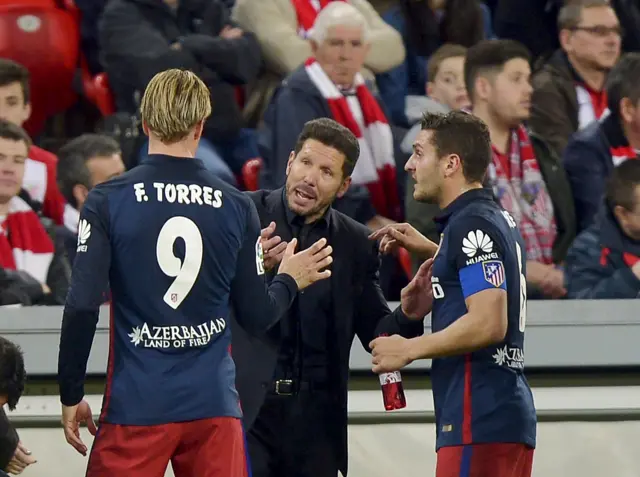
x=293, y=382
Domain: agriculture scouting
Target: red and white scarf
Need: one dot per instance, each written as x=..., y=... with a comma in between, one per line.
x=523, y=193
x=24, y=243
x=376, y=167
x=307, y=11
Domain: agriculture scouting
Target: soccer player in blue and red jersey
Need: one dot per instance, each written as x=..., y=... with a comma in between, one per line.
x=485, y=415
x=179, y=248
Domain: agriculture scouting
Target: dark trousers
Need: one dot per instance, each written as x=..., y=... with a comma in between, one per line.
x=291, y=437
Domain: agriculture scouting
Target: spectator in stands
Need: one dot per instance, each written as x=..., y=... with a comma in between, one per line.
x=593, y=152
x=568, y=91
x=140, y=38
x=283, y=27
x=604, y=261
x=446, y=91
x=526, y=176
x=329, y=84
x=83, y=163
x=14, y=457
x=34, y=270
x=530, y=22
x=40, y=170
x=425, y=26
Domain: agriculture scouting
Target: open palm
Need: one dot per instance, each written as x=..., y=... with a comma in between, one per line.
x=417, y=297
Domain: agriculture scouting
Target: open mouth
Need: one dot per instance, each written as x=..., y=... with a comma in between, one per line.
x=304, y=195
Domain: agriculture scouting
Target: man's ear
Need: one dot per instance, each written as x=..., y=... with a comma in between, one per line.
x=292, y=157
x=80, y=194
x=482, y=87
x=344, y=187
x=145, y=128
x=627, y=110
x=197, y=133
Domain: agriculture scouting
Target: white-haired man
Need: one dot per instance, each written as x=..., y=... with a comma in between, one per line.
x=329, y=84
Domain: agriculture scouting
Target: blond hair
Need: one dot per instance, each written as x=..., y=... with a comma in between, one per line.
x=174, y=102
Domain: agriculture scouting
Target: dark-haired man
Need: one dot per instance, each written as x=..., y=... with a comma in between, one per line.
x=593, y=152
x=525, y=175
x=485, y=415
x=14, y=457
x=303, y=365
x=604, y=261
x=83, y=163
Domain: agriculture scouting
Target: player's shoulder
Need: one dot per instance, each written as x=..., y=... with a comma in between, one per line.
x=483, y=214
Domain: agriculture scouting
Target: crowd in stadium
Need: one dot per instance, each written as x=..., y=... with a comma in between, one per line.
x=557, y=83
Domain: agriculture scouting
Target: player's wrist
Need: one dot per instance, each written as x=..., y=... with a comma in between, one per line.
x=412, y=350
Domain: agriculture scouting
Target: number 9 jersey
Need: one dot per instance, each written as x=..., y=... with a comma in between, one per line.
x=179, y=249
x=483, y=396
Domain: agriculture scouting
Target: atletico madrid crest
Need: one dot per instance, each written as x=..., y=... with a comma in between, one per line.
x=493, y=272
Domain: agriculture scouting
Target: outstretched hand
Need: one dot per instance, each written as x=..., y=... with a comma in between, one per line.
x=416, y=299
x=404, y=235
x=273, y=247
x=306, y=267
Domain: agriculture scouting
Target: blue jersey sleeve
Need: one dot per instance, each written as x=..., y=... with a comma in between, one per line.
x=477, y=245
x=89, y=279
x=258, y=307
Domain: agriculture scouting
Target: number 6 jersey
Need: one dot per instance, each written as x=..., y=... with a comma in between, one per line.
x=483, y=396
x=179, y=248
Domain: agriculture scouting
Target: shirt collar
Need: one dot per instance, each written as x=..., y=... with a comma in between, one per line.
x=162, y=159
x=473, y=195
x=298, y=220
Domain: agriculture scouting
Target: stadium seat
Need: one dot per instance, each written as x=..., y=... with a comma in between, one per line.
x=43, y=35
x=97, y=91
x=251, y=174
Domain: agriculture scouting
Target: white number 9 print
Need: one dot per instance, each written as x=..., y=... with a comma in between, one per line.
x=185, y=272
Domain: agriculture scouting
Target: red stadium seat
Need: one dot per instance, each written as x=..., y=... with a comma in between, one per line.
x=44, y=37
x=251, y=174
x=97, y=91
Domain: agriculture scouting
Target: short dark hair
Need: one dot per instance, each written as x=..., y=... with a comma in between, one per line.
x=446, y=51
x=335, y=135
x=465, y=135
x=12, y=373
x=622, y=82
x=72, y=161
x=13, y=132
x=570, y=14
x=490, y=56
x=622, y=184
x=12, y=72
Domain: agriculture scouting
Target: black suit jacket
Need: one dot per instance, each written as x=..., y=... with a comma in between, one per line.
x=359, y=309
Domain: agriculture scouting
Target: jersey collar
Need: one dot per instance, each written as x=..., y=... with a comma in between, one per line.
x=160, y=159
x=463, y=200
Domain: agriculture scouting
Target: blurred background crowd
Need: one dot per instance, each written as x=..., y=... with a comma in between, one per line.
x=557, y=82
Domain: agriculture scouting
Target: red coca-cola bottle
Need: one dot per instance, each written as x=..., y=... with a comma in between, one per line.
x=392, y=390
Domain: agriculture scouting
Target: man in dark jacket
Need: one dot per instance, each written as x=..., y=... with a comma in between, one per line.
x=604, y=261
x=292, y=381
x=14, y=457
x=140, y=38
x=568, y=89
x=593, y=152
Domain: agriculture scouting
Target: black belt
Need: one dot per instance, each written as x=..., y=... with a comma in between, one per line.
x=290, y=387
